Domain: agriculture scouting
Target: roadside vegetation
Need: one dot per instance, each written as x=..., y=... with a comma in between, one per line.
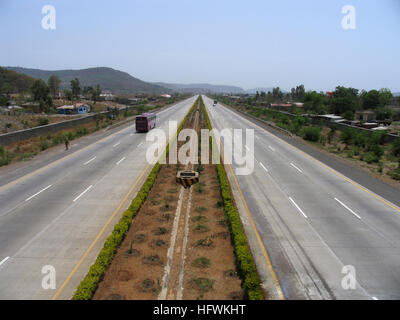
x=371, y=150
x=27, y=149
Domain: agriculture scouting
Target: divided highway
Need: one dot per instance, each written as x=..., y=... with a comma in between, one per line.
x=315, y=223
x=60, y=214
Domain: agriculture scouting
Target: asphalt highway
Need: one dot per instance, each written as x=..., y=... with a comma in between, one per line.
x=327, y=236
x=57, y=216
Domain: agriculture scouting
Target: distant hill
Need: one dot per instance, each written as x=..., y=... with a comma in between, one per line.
x=108, y=78
x=201, y=88
x=254, y=91
x=210, y=88
x=14, y=82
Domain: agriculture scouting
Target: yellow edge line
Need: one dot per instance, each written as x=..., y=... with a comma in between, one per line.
x=263, y=249
x=332, y=170
x=98, y=236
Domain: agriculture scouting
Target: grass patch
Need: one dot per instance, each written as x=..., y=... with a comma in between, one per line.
x=203, y=284
x=200, y=187
x=201, y=228
x=200, y=218
x=202, y=262
x=206, y=242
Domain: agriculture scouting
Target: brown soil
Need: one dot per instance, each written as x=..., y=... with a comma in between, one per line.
x=209, y=238
x=142, y=267
x=209, y=271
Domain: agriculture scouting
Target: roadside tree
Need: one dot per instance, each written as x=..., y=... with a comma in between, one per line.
x=54, y=85
x=41, y=93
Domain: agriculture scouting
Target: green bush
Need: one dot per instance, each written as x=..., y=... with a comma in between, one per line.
x=347, y=136
x=380, y=168
x=81, y=132
x=377, y=150
x=370, y=157
x=379, y=137
x=297, y=123
x=42, y=121
x=331, y=134
x=58, y=138
x=70, y=135
x=360, y=139
x=5, y=156
x=322, y=140
x=311, y=133
x=43, y=145
x=395, y=174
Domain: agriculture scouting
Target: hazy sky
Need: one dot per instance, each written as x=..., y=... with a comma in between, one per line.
x=245, y=43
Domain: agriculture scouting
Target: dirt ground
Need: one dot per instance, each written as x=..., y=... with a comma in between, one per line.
x=10, y=123
x=139, y=270
x=210, y=271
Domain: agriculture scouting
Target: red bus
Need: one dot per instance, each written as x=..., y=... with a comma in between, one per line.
x=145, y=122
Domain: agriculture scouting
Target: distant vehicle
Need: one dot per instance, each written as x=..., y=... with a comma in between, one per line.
x=215, y=103
x=145, y=122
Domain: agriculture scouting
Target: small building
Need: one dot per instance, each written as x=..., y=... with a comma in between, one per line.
x=166, y=96
x=365, y=115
